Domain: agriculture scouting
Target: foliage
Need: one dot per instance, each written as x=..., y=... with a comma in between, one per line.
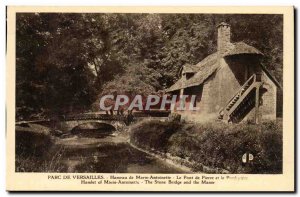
x=137, y=80
x=216, y=145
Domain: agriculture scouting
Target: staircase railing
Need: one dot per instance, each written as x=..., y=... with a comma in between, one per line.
x=240, y=92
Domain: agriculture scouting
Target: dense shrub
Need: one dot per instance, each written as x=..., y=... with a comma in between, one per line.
x=216, y=144
x=153, y=134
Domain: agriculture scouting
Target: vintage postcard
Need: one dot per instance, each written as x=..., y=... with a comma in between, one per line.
x=150, y=99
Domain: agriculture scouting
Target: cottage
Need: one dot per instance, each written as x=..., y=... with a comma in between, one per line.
x=230, y=84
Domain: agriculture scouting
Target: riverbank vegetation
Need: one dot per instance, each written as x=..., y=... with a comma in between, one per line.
x=214, y=145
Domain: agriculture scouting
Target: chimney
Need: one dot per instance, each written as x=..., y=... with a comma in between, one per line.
x=223, y=38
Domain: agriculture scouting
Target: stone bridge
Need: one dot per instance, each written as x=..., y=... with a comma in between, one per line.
x=68, y=123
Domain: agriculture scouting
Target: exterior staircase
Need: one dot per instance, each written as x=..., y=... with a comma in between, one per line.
x=242, y=102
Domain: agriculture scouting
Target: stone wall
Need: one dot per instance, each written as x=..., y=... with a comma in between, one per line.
x=203, y=104
x=223, y=39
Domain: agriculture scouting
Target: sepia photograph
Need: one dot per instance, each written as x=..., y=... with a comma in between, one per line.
x=120, y=93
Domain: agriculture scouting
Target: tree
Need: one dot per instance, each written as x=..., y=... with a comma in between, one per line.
x=65, y=61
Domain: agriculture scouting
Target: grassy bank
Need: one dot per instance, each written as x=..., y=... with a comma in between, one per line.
x=216, y=145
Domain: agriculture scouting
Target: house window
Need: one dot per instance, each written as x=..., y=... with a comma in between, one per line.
x=189, y=75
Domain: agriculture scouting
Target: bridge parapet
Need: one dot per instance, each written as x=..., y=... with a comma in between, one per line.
x=94, y=117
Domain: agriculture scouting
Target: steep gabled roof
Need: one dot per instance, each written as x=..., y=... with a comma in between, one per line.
x=206, y=68
x=209, y=65
x=178, y=85
x=211, y=59
x=188, y=68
